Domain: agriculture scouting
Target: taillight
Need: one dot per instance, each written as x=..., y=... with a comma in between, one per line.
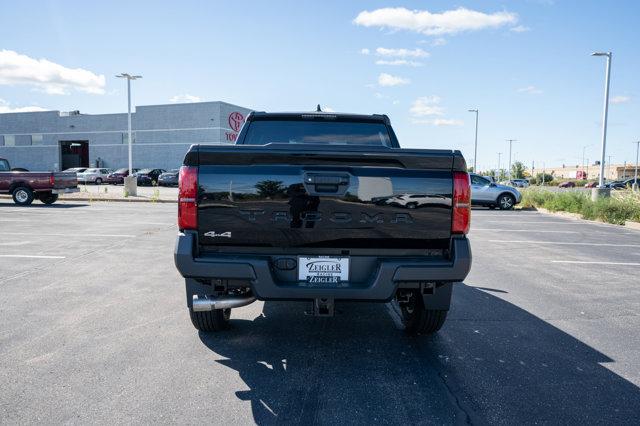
x=52, y=180
x=187, y=198
x=461, y=203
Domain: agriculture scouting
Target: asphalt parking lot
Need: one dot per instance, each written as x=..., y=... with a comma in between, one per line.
x=95, y=329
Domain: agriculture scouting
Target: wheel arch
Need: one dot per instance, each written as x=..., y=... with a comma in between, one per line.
x=506, y=193
x=18, y=184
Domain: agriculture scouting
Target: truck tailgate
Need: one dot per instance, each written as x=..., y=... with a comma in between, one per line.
x=63, y=180
x=331, y=197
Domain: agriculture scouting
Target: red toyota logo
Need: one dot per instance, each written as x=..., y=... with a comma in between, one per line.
x=235, y=121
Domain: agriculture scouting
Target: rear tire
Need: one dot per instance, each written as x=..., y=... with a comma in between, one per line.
x=214, y=320
x=22, y=196
x=98, y=181
x=506, y=201
x=417, y=319
x=48, y=198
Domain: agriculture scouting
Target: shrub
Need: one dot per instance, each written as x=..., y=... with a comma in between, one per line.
x=617, y=209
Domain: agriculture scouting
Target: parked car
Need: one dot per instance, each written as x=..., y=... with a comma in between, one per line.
x=591, y=184
x=75, y=170
x=96, y=176
x=490, y=194
x=414, y=201
x=616, y=185
x=148, y=177
x=117, y=177
x=24, y=187
x=519, y=183
x=169, y=178
x=630, y=182
x=295, y=220
x=567, y=184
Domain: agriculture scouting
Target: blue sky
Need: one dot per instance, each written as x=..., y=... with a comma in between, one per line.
x=524, y=64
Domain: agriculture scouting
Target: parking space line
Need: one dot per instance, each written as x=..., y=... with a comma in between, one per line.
x=562, y=243
x=87, y=235
x=32, y=256
x=587, y=262
x=548, y=231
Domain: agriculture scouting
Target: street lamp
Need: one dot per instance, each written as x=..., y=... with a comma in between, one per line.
x=130, y=183
x=475, y=146
x=600, y=190
x=511, y=141
x=635, y=178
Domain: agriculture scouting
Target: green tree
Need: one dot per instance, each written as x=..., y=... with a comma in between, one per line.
x=517, y=170
x=270, y=188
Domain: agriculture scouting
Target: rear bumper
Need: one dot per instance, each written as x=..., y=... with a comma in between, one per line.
x=389, y=275
x=65, y=190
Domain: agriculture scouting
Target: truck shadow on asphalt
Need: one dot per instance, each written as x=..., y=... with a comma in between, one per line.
x=492, y=362
x=36, y=205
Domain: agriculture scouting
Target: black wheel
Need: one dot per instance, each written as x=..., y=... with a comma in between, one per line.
x=417, y=319
x=215, y=320
x=48, y=198
x=98, y=181
x=22, y=196
x=506, y=201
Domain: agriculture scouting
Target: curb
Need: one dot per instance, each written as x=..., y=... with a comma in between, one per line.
x=117, y=200
x=576, y=216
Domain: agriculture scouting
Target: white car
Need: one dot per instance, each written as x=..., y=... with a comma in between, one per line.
x=96, y=176
x=413, y=201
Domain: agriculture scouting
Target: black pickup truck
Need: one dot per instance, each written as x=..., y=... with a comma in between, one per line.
x=322, y=207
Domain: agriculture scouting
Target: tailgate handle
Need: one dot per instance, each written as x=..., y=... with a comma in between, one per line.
x=326, y=183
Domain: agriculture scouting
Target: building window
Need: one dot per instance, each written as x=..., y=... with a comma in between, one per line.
x=9, y=140
x=36, y=139
x=125, y=138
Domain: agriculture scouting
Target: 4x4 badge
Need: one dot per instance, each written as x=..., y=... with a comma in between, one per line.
x=213, y=234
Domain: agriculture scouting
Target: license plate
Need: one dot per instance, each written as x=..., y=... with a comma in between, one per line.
x=323, y=269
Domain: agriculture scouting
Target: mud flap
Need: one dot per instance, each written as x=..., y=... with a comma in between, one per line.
x=438, y=297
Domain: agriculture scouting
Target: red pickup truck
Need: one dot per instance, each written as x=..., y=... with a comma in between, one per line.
x=24, y=187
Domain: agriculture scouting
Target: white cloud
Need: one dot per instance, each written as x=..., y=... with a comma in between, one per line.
x=365, y=51
x=439, y=42
x=425, y=22
x=387, y=80
x=5, y=107
x=427, y=110
x=398, y=62
x=184, y=99
x=620, y=99
x=531, y=90
x=426, y=106
x=520, y=29
x=48, y=76
x=401, y=53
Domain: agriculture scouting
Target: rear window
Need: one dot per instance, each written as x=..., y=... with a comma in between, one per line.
x=317, y=132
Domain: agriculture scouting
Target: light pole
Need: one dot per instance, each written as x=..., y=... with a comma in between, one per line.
x=130, y=181
x=511, y=141
x=475, y=146
x=600, y=190
x=635, y=177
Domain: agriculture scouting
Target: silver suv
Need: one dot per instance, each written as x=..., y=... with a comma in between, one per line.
x=489, y=194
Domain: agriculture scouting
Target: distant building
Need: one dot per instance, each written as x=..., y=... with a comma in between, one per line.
x=611, y=172
x=53, y=140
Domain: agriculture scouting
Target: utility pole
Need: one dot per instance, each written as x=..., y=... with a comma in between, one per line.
x=601, y=191
x=475, y=145
x=635, y=177
x=511, y=141
x=499, y=170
